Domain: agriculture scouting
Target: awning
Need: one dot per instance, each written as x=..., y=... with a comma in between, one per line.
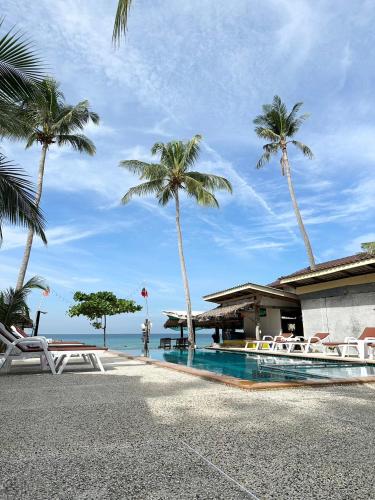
x=226, y=312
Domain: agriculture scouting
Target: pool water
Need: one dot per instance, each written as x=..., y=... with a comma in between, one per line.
x=262, y=368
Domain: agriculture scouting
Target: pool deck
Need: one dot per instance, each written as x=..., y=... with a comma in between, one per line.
x=143, y=432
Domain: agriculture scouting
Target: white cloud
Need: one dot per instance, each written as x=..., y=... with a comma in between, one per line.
x=15, y=237
x=100, y=130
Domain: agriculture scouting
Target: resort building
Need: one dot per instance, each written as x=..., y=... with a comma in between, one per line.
x=249, y=310
x=337, y=297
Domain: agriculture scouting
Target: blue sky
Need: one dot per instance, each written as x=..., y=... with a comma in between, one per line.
x=206, y=67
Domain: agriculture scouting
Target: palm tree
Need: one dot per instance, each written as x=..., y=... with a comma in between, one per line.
x=166, y=179
x=20, y=70
x=17, y=200
x=13, y=307
x=121, y=20
x=52, y=121
x=277, y=125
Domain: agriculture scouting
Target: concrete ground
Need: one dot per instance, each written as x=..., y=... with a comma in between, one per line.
x=145, y=432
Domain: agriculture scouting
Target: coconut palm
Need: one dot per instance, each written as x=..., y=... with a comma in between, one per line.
x=17, y=205
x=166, y=179
x=13, y=306
x=121, y=20
x=52, y=121
x=279, y=126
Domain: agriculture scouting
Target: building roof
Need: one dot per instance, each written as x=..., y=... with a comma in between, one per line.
x=223, y=312
x=249, y=289
x=180, y=314
x=353, y=265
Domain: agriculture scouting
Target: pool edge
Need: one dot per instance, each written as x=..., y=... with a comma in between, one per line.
x=243, y=383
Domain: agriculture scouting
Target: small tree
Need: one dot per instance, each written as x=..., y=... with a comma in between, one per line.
x=97, y=306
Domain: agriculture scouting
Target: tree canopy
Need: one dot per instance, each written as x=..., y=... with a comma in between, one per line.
x=369, y=247
x=173, y=173
x=97, y=306
x=278, y=125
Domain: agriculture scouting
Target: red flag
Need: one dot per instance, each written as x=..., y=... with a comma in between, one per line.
x=144, y=293
x=46, y=292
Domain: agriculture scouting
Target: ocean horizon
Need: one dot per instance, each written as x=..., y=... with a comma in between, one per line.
x=127, y=341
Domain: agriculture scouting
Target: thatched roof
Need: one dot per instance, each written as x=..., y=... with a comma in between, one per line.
x=226, y=312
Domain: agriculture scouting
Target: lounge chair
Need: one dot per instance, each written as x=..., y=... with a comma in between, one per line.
x=18, y=333
x=54, y=356
x=315, y=341
x=360, y=344
x=268, y=342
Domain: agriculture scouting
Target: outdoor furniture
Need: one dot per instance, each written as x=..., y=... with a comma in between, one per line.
x=18, y=333
x=314, y=341
x=284, y=340
x=55, y=357
x=165, y=343
x=268, y=342
x=360, y=345
x=182, y=343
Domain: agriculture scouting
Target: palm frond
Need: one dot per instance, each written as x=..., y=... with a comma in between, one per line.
x=269, y=150
x=78, y=142
x=17, y=200
x=145, y=189
x=305, y=149
x=75, y=117
x=20, y=66
x=266, y=133
x=13, y=124
x=196, y=190
x=150, y=171
x=211, y=181
x=121, y=20
x=165, y=195
x=191, y=151
x=13, y=306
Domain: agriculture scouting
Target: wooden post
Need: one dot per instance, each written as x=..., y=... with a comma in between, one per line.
x=217, y=334
x=195, y=343
x=181, y=331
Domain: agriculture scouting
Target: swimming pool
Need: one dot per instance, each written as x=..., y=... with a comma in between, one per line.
x=263, y=368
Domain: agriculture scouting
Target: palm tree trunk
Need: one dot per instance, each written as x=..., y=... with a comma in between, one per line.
x=287, y=172
x=30, y=235
x=184, y=274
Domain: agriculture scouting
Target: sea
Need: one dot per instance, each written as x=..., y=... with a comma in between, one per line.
x=128, y=341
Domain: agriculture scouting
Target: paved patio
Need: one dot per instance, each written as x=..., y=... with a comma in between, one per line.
x=145, y=432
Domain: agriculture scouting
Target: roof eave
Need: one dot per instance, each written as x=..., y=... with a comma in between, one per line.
x=250, y=287
x=324, y=272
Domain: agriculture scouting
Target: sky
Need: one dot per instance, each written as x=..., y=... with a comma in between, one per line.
x=206, y=67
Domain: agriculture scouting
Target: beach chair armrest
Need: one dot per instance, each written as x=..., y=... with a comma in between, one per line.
x=28, y=340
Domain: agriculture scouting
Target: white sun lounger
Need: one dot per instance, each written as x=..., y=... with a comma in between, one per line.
x=268, y=343
x=55, y=357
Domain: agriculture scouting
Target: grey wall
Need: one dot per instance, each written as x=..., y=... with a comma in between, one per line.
x=343, y=311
